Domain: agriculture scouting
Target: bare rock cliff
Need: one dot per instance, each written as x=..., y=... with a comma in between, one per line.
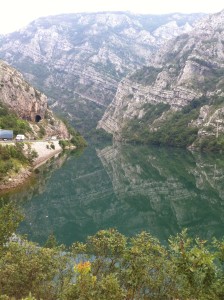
x=29, y=104
x=188, y=67
x=26, y=101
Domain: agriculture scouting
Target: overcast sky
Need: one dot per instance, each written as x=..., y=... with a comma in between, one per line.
x=15, y=14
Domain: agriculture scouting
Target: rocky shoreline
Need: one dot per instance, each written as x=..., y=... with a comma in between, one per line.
x=45, y=151
x=16, y=180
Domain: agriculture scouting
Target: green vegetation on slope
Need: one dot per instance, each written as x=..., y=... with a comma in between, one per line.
x=83, y=114
x=174, y=130
x=76, y=140
x=109, y=266
x=9, y=120
x=11, y=159
x=145, y=75
x=211, y=143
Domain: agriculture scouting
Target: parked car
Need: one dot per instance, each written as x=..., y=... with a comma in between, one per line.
x=20, y=137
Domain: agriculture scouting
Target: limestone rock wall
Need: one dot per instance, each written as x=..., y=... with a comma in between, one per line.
x=186, y=68
x=27, y=102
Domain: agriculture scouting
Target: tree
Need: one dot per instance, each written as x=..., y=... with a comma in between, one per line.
x=10, y=217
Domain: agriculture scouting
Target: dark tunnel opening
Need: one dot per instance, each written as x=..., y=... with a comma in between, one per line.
x=37, y=118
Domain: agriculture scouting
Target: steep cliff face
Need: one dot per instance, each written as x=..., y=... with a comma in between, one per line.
x=28, y=103
x=78, y=59
x=189, y=67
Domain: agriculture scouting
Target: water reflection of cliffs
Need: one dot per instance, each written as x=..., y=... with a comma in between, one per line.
x=132, y=188
x=167, y=189
x=76, y=202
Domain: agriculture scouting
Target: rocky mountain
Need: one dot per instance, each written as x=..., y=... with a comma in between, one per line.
x=28, y=104
x=78, y=60
x=188, y=72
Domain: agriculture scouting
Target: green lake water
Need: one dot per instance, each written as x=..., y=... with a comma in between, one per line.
x=131, y=188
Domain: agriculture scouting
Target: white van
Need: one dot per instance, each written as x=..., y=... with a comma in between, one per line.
x=20, y=137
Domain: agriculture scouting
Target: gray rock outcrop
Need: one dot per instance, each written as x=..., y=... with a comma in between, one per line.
x=29, y=104
x=188, y=67
x=26, y=101
x=77, y=60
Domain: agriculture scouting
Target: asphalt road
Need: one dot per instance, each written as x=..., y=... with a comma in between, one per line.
x=26, y=140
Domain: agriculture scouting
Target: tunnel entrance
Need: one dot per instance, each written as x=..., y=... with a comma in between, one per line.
x=37, y=118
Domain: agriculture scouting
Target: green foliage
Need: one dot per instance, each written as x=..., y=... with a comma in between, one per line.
x=137, y=130
x=51, y=242
x=142, y=268
x=152, y=112
x=195, y=270
x=109, y=266
x=82, y=114
x=211, y=143
x=39, y=71
x=27, y=268
x=9, y=120
x=175, y=130
x=42, y=132
x=145, y=75
x=10, y=217
x=64, y=143
x=10, y=157
x=100, y=135
x=217, y=101
x=77, y=139
x=30, y=153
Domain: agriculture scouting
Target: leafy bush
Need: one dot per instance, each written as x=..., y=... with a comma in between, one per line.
x=77, y=139
x=10, y=157
x=63, y=143
x=108, y=266
x=111, y=266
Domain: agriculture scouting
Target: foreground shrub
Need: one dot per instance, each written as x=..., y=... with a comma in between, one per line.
x=109, y=266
